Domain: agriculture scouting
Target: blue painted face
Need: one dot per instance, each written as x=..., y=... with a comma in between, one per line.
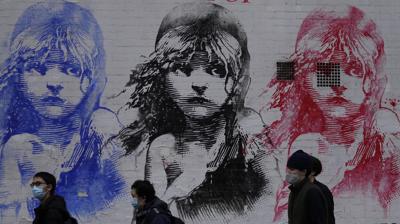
x=53, y=87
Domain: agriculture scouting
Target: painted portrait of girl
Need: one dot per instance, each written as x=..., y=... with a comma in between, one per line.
x=339, y=123
x=50, y=87
x=194, y=132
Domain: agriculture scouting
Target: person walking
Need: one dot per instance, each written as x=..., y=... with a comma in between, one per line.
x=148, y=208
x=307, y=204
x=52, y=208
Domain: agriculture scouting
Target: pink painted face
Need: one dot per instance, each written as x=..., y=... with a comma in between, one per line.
x=341, y=101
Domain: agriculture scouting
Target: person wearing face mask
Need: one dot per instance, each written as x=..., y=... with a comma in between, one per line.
x=316, y=169
x=307, y=204
x=148, y=208
x=52, y=208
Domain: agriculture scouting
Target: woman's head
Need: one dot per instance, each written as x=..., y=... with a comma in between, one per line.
x=58, y=57
x=143, y=191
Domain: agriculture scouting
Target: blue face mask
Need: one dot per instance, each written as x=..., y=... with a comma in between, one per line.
x=38, y=192
x=135, y=203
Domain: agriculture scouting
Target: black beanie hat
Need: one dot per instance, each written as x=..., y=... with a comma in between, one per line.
x=299, y=160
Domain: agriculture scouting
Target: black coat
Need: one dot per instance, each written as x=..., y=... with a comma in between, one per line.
x=52, y=211
x=329, y=199
x=154, y=212
x=307, y=204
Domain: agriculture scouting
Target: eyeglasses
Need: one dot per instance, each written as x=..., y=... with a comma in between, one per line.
x=37, y=184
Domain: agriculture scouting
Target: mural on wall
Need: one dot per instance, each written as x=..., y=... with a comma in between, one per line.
x=50, y=88
x=194, y=128
x=345, y=125
x=209, y=156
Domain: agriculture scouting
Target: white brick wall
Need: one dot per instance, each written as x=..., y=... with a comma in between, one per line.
x=130, y=27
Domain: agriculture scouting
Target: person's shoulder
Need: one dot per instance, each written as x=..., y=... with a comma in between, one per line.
x=57, y=201
x=312, y=190
x=160, y=215
x=321, y=185
x=325, y=189
x=311, y=187
x=160, y=204
x=57, y=205
x=56, y=211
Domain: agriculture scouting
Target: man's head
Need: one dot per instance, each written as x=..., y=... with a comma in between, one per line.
x=298, y=167
x=316, y=166
x=43, y=185
x=142, y=191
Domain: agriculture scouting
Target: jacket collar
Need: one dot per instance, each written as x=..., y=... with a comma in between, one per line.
x=44, y=204
x=147, y=207
x=298, y=186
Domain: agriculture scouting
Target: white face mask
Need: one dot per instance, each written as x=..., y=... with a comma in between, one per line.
x=292, y=178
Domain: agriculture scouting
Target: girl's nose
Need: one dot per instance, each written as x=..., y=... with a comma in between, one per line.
x=338, y=89
x=199, y=89
x=55, y=89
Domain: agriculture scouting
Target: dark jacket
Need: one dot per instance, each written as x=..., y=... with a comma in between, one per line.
x=154, y=212
x=329, y=199
x=307, y=204
x=52, y=211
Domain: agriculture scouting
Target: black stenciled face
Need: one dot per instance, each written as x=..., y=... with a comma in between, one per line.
x=198, y=85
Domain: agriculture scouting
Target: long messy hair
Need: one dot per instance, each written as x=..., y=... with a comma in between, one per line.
x=160, y=114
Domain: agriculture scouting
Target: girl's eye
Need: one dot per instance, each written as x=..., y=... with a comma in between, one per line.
x=71, y=69
x=186, y=69
x=218, y=70
x=174, y=67
x=180, y=69
x=356, y=72
x=40, y=68
x=74, y=71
